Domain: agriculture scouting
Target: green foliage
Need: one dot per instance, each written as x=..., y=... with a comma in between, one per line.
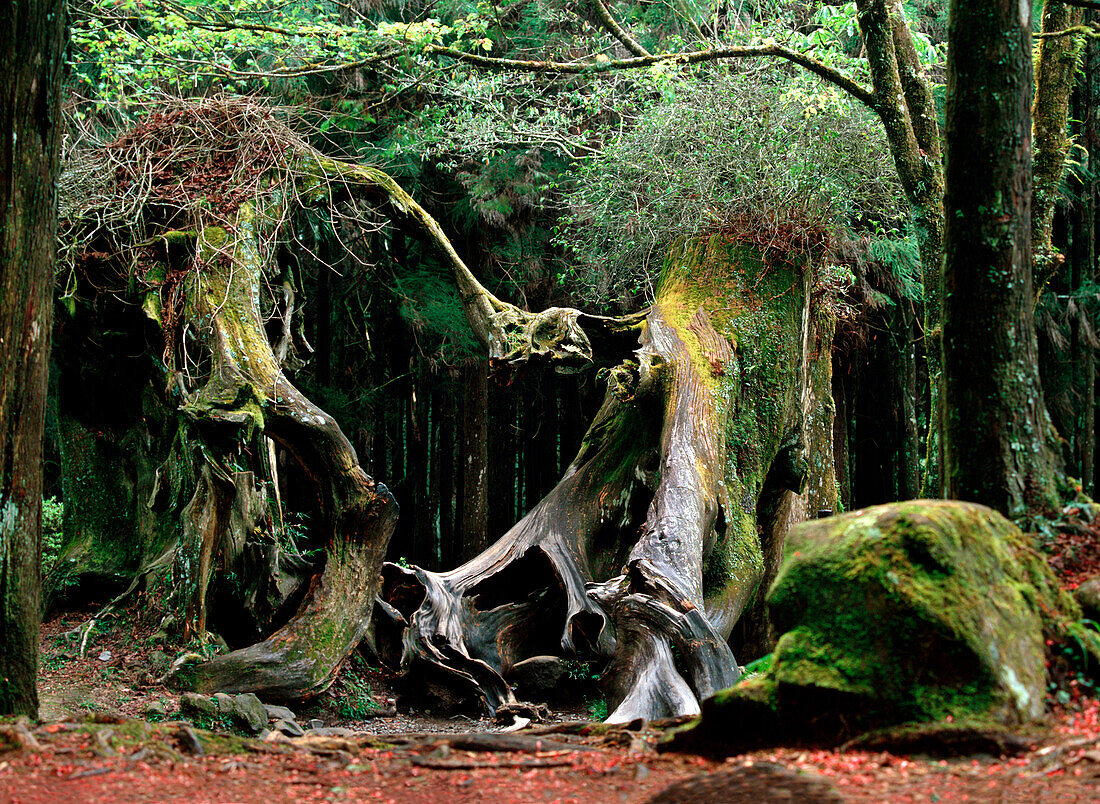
x=225, y=724
x=125, y=53
x=598, y=710
x=358, y=704
x=55, y=661
x=900, y=256
x=580, y=670
x=356, y=700
x=52, y=516
x=779, y=163
x=430, y=305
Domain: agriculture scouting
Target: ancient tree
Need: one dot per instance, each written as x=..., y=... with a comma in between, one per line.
x=30, y=56
x=176, y=435
x=996, y=434
x=714, y=434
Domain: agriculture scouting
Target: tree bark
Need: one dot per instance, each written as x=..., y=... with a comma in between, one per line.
x=903, y=102
x=30, y=121
x=996, y=439
x=247, y=393
x=475, y=457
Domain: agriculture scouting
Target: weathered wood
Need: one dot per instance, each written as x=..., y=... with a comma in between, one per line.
x=246, y=389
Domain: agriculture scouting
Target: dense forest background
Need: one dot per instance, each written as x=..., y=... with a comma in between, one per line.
x=561, y=190
x=569, y=152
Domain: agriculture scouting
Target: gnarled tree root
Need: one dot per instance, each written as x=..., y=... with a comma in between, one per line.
x=649, y=549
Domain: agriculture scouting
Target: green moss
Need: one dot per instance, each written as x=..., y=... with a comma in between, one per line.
x=913, y=612
x=803, y=658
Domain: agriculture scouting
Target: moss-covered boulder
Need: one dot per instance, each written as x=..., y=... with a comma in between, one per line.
x=914, y=612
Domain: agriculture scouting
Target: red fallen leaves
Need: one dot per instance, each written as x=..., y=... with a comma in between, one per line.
x=1081, y=720
x=1075, y=554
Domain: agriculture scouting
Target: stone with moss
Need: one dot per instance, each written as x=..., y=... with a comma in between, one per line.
x=914, y=612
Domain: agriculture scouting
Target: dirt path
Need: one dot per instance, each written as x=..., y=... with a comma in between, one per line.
x=137, y=762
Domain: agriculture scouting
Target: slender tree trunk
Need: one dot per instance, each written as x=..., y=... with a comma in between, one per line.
x=30, y=135
x=904, y=105
x=1087, y=432
x=448, y=470
x=1055, y=65
x=417, y=472
x=996, y=431
x=475, y=457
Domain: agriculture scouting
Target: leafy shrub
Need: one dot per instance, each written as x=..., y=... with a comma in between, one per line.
x=782, y=163
x=52, y=515
x=597, y=710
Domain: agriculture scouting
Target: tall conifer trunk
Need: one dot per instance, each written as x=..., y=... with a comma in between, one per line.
x=31, y=63
x=997, y=427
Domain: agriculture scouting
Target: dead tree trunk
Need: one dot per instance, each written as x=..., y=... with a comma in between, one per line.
x=650, y=548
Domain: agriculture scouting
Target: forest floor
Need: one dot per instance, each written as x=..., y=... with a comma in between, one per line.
x=111, y=732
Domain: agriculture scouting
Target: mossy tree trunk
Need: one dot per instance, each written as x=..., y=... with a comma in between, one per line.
x=247, y=394
x=209, y=430
x=1055, y=64
x=996, y=438
x=655, y=541
x=31, y=62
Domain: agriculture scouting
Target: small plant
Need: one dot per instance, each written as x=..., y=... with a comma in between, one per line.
x=358, y=705
x=357, y=701
x=155, y=716
x=580, y=670
x=54, y=661
x=52, y=515
x=757, y=667
x=597, y=709
x=219, y=723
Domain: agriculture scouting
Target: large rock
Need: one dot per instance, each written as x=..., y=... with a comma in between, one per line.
x=194, y=704
x=756, y=782
x=250, y=712
x=915, y=612
x=1088, y=596
x=538, y=675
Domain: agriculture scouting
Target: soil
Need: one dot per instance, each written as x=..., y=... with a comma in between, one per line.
x=111, y=732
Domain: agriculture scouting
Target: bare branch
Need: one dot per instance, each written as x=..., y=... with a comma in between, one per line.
x=819, y=68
